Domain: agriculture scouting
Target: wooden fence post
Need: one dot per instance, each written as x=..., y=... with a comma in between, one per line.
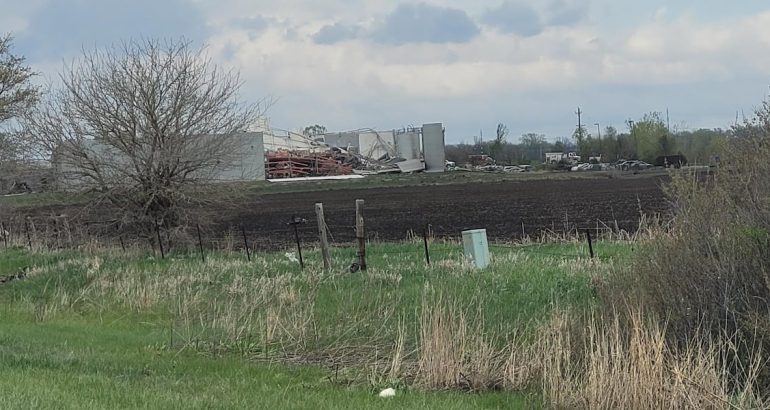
x=160, y=241
x=319, y=212
x=200, y=243
x=361, y=234
x=29, y=236
x=5, y=234
x=69, y=232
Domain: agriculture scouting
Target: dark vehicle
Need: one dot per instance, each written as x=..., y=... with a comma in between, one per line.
x=668, y=161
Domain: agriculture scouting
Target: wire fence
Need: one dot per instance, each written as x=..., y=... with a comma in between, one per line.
x=60, y=233
x=542, y=250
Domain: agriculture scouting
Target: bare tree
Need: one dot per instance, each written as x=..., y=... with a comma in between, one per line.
x=17, y=96
x=500, y=136
x=145, y=124
x=533, y=140
x=17, y=93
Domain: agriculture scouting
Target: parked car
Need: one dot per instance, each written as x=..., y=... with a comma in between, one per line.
x=632, y=165
x=582, y=167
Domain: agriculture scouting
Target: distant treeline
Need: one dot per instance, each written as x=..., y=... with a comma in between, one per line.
x=646, y=140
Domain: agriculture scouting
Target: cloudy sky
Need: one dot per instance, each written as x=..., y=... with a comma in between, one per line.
x=470, y=64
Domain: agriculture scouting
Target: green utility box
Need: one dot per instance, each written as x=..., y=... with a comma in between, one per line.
x=476, y=247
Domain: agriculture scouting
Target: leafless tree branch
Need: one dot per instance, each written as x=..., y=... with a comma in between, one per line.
x=142, y=123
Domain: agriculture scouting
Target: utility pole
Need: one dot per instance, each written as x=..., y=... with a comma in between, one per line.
x=580, y=123
x=668, y=122
x=580, y=136
x=599, y=130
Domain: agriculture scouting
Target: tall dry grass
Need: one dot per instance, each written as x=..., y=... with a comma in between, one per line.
x=571, y=361
x=593, y=363
x=454, y=351
x=612, y=366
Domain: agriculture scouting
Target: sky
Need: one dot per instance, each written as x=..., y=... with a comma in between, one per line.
x=469, y=64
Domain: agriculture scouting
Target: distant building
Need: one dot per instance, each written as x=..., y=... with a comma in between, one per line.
x=407, y=144
x=556, y=157
x=247, y=163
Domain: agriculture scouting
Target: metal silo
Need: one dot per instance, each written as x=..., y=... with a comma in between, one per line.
x=433, y=147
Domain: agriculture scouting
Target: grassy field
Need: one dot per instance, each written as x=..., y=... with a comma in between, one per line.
x=76, y=362
x=110, y=330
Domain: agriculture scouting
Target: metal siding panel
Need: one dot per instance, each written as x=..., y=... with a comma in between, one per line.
x=408, y=145
x=433, y=147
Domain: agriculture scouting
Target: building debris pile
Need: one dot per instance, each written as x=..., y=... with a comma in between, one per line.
x=360, y=152
x=335, y=162
x=294, y=164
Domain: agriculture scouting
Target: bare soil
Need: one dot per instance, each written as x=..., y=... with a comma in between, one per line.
x=500, y=207
x=507, y=209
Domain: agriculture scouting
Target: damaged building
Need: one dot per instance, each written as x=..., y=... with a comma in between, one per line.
x=247, y=162
x=361, y=151
x=272, y=154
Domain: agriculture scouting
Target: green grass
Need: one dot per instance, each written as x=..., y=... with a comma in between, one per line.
x=76, y=363
x=37, y=199
x=107, y=330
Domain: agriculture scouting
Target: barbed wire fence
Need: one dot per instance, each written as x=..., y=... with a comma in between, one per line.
x=292, y=236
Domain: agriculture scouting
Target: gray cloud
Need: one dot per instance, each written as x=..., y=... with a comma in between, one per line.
x=424, y=23
x=516, y=18
x=335, y=33
x=566, y=13
x=60, y=28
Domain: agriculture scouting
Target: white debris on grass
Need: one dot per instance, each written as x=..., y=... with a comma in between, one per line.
x=292, y=257
x=389, y=392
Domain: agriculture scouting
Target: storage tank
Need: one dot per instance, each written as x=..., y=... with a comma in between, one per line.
x=408, y=145
x=433, y=147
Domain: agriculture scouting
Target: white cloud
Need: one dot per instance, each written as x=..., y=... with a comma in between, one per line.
x=685, y=50
x=349, y=76
x=577, y=51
